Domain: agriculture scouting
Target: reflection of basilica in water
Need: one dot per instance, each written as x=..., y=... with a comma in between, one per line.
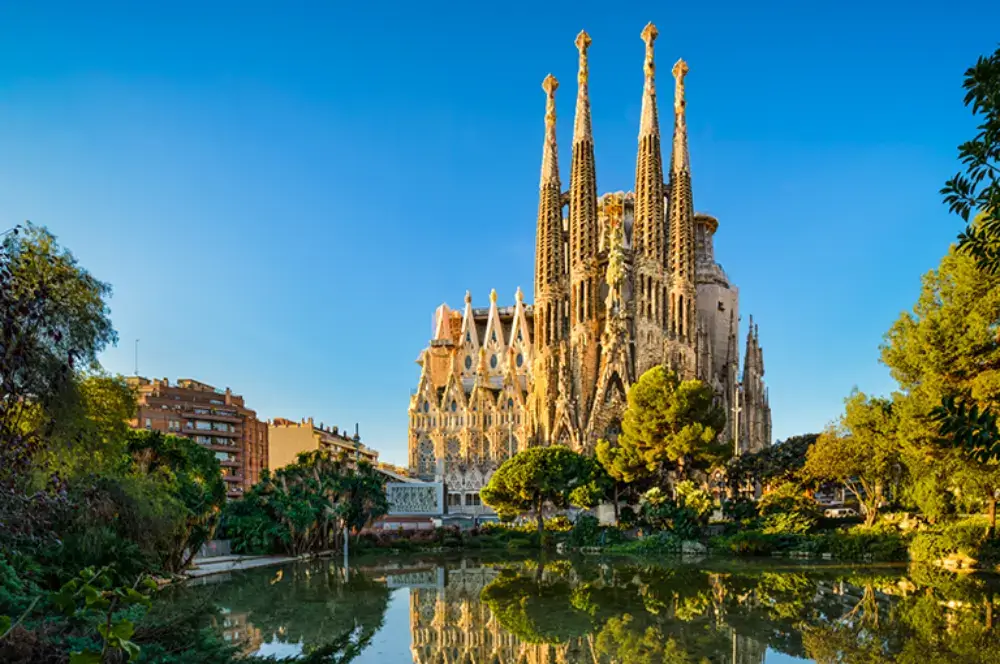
x=451, y=623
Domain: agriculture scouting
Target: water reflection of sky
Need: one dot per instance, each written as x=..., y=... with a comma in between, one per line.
x=392, y=643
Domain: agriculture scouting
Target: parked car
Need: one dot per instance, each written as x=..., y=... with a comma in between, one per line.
x=840, y=512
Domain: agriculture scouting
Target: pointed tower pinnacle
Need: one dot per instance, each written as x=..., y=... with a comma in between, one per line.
x=550, y=160
x=648, y=233
x=679, y=159
x=681, y=253
x=649, y=123
x=549, y=251
x=649, y=228
x=581, y=124
x=585, y=277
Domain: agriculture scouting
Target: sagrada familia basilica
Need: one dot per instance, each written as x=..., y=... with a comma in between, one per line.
x=623, y=282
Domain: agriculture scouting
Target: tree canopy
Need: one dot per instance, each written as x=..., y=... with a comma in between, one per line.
x=947, y=347
x=540, y=475
x=976, y=190
x=55, y=320
x=862, y=451
x=304, y=506
x=669, y=424
x=778, y=463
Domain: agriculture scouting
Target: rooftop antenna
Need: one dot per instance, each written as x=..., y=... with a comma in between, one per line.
x=136, y=357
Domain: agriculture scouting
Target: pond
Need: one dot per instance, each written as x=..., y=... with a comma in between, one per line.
x=593, y=610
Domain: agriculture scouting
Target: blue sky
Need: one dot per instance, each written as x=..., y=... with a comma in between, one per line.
x=281, y=193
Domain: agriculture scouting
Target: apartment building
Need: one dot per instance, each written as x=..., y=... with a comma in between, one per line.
x=217, y=419
x=287, y=438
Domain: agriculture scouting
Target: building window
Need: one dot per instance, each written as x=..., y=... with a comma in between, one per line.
x=454, y=500
x=520, y=359
x=202, y=425
x=468, y=362
x=427, y=406
x=149, y=423
x=454, y=405
x=472, y=500
x=493, y=361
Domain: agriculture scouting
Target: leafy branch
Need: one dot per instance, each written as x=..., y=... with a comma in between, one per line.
x=976, y=191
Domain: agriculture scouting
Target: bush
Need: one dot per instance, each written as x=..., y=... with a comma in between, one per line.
x=558, y=524
x=747, y=543
x=585, y=531
x=627, y=517
x=964, y=538
x=784, y=523
x=519, y=543
x=787, y=510
x=658, y=543
x=739, y=510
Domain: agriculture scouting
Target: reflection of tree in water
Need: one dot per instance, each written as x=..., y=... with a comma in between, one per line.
x=596, y=613
x=312, y=605
x=614, y=614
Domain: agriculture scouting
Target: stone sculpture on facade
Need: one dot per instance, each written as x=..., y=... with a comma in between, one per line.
x=623, y=282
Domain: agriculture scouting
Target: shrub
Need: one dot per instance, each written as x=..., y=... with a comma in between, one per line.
x=658, y=543
x=740, y=509
x=519, y=543
x=748, y=543
x=786, y=523
x=558, y=524
x=966, y=538
x=402, y=544
x=585, y=531
x=627, y=516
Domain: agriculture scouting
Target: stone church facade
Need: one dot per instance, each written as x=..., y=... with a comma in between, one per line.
x=623, y=282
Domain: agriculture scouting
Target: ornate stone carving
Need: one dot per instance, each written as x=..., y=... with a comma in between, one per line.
x=415, y=498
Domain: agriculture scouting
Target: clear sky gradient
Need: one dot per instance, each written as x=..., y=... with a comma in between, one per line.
x=282, y=193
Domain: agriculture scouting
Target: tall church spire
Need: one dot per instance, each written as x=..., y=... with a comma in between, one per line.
x=648, y=228
x=681, y=221
x=585, y=277
x=550, y=275
x=549, y=263
x=647, y=238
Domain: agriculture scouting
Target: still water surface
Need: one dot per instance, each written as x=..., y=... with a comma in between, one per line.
x=608, y=611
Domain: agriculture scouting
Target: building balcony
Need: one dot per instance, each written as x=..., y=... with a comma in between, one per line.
x=193, y=414
x=232, y=463
x=192, y=431
x=233, y=479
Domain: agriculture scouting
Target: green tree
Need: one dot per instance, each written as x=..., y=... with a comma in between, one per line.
x=623, y=466
x=976, y=190
x=540, y=475
x=56, y=321
x=862, y=450
x=90, y=429
x=946, y=348
x=671, y=424
x=977, y=438
x=189, y=473
x=305, y=506
x=775, y=464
